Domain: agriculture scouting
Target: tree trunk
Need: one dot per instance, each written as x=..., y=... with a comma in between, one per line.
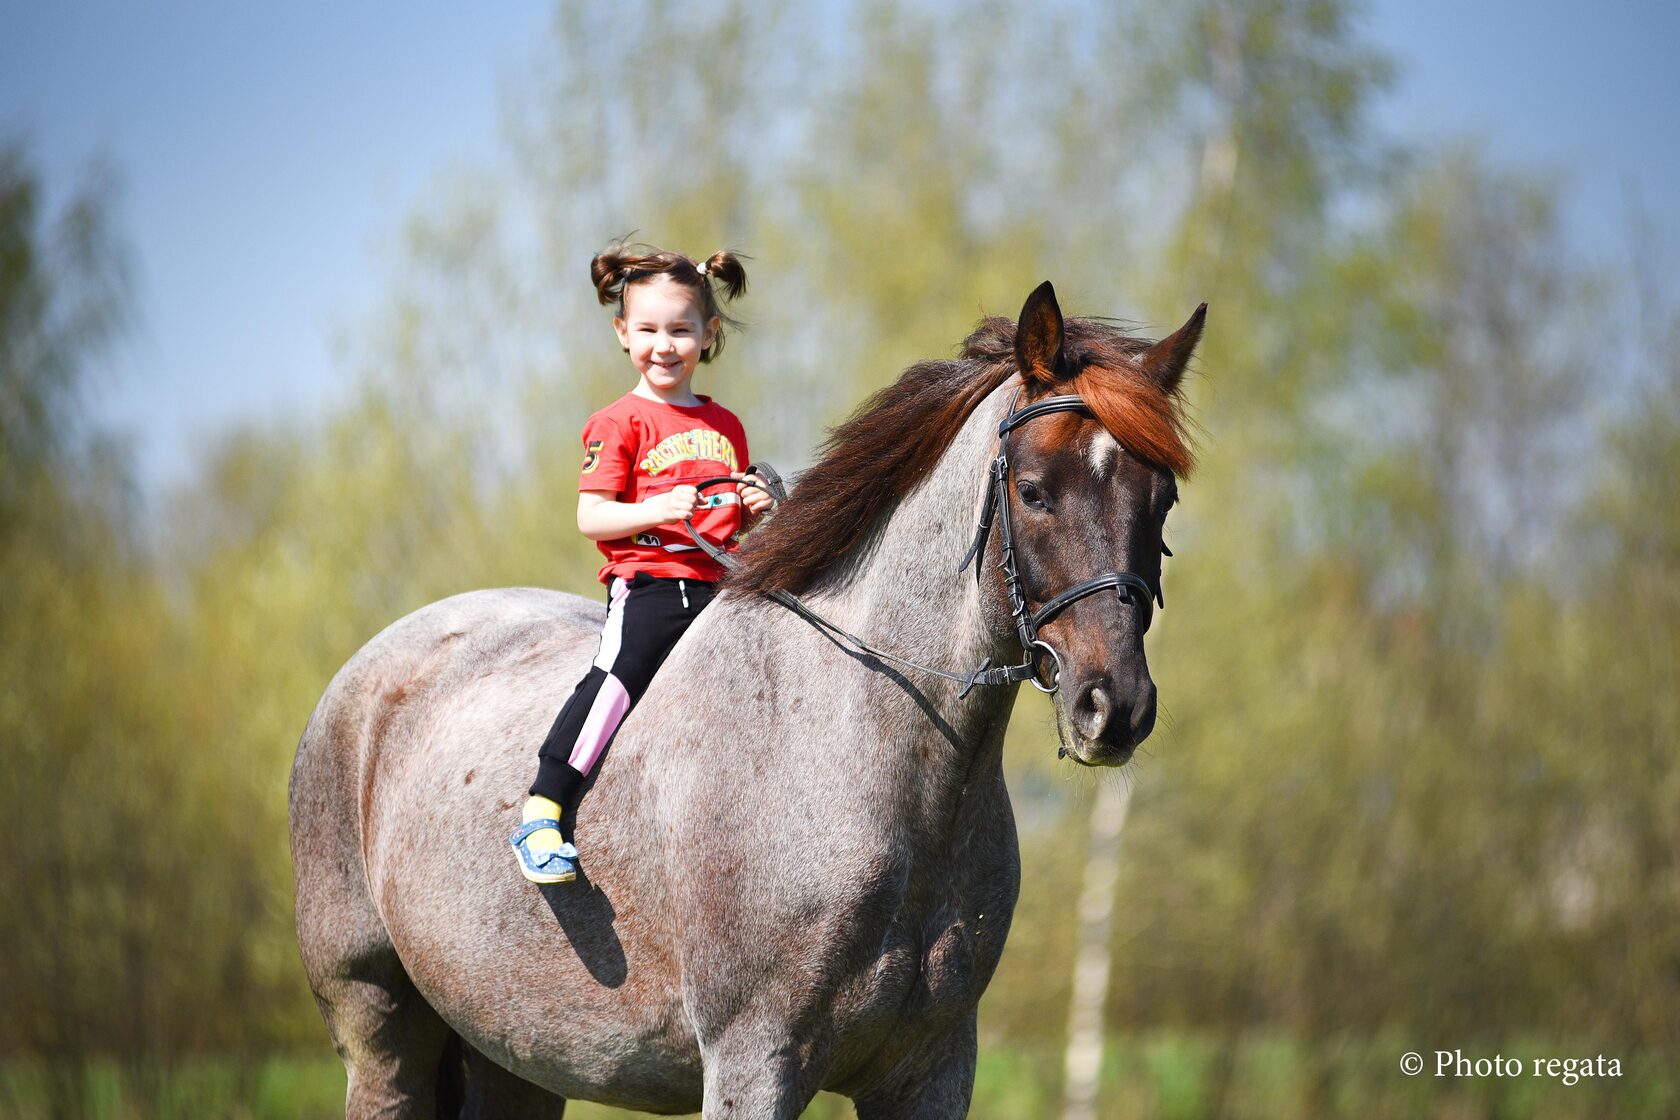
x=1083, y=1064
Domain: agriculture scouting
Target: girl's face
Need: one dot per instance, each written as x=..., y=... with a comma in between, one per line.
x=663, y=330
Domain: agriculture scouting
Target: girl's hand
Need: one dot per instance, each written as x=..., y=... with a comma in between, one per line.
x=755, y=499
x=676, y=503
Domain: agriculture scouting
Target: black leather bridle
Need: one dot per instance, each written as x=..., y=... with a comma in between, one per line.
x=1131, y=587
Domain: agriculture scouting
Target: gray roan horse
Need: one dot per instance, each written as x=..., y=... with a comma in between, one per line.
x=799, y=859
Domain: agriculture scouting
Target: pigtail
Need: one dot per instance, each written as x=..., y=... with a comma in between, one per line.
x=725, y=270
x=609, y=270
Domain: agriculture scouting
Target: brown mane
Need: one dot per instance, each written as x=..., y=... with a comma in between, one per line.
x=896, y=437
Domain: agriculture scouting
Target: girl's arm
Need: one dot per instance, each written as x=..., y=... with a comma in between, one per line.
x=601, y=517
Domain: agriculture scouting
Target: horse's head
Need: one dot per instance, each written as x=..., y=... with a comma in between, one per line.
x=1087, y=494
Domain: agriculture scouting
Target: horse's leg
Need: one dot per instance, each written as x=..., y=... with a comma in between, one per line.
x=495, y=1094
x=391, y=1040
x=758, y=1071
x=937, y=1093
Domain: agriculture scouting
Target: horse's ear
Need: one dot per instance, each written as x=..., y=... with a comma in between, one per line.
x=1166, y=360
x=1038, y=337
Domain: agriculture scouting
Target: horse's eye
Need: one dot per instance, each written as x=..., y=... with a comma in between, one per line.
x=1030, y=494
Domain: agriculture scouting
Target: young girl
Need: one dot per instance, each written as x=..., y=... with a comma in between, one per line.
x=640, y=455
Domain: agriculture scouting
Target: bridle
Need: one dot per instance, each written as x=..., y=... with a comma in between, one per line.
x=1130, y=587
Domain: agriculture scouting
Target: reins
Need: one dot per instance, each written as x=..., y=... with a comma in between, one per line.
x=986, y=674
x=1131, y=587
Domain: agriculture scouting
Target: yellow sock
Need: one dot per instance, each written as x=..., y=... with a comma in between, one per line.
x=543, y=840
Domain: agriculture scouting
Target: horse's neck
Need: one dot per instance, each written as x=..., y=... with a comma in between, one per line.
x=902, y=593
x=902, y=583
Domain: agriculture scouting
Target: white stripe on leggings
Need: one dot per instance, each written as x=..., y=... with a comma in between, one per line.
x=612, y=634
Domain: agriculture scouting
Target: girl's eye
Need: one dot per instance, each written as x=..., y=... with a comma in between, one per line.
x=1031, y=495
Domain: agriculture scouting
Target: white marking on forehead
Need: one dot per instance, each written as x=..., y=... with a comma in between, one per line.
x=1103, y=453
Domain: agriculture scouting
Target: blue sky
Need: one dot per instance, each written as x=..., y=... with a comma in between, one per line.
x=269, y=153
x=1588, y=91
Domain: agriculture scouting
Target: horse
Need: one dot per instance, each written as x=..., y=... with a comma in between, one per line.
x=799, y=861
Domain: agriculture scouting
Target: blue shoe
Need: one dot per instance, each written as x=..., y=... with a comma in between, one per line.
x=550, y=867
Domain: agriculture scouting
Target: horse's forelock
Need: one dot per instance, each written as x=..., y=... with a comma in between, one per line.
x=1149, y=422
x=1144, y=417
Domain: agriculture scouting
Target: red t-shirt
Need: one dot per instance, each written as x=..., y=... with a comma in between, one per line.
x=636, y=448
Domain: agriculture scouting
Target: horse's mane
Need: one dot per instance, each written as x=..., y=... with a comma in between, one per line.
x=894, y=439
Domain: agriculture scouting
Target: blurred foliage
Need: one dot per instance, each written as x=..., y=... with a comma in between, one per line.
x=1415, y=777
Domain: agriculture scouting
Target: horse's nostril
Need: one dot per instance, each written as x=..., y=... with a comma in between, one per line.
x=1094, y=711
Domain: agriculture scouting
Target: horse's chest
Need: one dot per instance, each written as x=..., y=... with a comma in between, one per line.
x=955, y=961
x=929, y=968
x=944, y=943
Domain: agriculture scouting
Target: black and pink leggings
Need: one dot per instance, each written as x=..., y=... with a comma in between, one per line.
x=645, y=617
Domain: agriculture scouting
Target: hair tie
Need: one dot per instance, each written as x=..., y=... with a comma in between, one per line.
x=701, y=267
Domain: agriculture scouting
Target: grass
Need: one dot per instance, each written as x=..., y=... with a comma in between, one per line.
x=1153, y=1076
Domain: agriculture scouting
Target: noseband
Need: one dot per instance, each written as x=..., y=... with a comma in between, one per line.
x=1131, y=587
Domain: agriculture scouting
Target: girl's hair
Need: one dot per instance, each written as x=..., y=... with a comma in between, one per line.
x=622, y=265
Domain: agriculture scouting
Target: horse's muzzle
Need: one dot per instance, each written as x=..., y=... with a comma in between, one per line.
x=1103, y=726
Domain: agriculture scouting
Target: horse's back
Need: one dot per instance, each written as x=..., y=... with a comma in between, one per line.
x=475, y=633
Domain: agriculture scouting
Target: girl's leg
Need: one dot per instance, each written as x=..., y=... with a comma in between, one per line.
x=644, y=620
